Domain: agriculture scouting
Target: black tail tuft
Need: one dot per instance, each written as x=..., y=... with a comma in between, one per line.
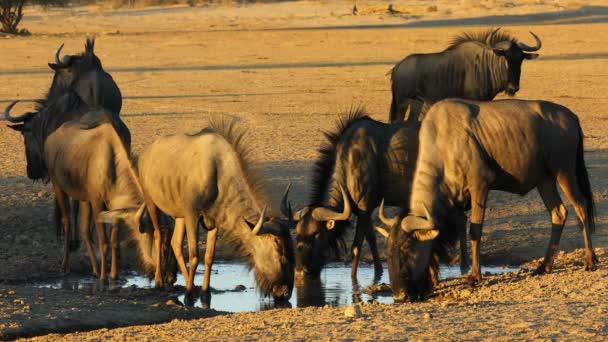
x=583, y=182
x=57, y=221
x=75, y=231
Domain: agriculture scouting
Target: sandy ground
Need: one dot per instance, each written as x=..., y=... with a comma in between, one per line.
x=286, y=71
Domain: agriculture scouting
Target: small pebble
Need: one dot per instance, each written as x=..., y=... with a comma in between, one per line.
x=427, y=316
x=240, y=288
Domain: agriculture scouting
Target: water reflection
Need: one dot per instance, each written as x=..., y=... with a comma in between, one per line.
x=234, y=290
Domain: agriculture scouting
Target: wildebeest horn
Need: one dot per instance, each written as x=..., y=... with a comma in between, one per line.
x=527, y=48
x=427, y=212
x=490, y=36
x=324, y=214
x=285, y=205
x=387, y=221
x=260, y=223
x=57, y=60
x=15, y=119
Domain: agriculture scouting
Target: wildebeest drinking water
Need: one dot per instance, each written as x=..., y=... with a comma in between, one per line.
x=81, y=153
x=208, y=177
x=362, y=161
x=475, y=66
x=468, y=148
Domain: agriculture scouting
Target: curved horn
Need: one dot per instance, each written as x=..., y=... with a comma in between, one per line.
x=490, y=36
x=527, y=48
x=324, y=214
x=15, y=119
x=387, y=221
x=260, y=223
x=57, y=60
x=285, y=205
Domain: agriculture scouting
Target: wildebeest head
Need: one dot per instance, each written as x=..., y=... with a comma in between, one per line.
x=273, y=256
x=409, y=253
x=313, y=226
x=69, y=68
x=36, y=168
x=514, y=53
x=141, y=233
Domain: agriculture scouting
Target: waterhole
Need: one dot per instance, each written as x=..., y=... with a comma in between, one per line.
x=234, y=289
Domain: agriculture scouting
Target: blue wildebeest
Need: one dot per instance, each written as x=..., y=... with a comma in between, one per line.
x=84, y=75
x=361, y=162
x=469, y=148
x=85, y=158
x=475, y=66
x=208, y=177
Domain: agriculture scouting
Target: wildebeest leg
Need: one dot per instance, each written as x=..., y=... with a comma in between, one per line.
x=115, y=246
x=464, y=256
x=478, y=207
x=548, y=192
x=356, y=248
x=177, y=243
x=152, y=210
x=62, y=202
x=398, y=111
x=370, y=237
x=192, y=235
x=85, y=231
x=572, y=190
x=101, y=239
x=209, y=255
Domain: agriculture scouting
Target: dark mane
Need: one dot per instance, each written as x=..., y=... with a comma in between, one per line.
x=235, y=136
x=480, y=37
x=324, y=166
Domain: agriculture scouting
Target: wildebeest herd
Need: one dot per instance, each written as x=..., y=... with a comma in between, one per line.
x=455, y=146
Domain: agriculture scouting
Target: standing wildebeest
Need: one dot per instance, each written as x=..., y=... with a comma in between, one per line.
x=475, y=66
x=85, y=158
x=84, y=75
x=468, y=148
x=362, y=162
x=208, y=176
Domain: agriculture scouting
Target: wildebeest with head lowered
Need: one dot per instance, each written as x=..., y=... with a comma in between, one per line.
x=475, y=66
x=207, y=177
x=81, y=153
x=362, y=161
x=468, y=148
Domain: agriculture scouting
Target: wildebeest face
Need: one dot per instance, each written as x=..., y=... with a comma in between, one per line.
x=69, y=68
x=274, y=259
x=311, y=245
x=514, y=56
x=408, y=256
x=515, y=53
x=312, y=229
x=36, y=168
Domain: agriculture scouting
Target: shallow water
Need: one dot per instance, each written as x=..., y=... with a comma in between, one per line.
x=334, y=287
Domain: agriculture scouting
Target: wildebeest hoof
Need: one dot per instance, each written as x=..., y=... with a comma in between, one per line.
x=542, y=269
x=590, y=266
x=473, y=279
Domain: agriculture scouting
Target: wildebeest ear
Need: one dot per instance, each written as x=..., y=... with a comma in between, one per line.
x=382, y=231
x=425, y=234
x=56, y=66
x=500, y=52
x=530, y=55
x=18, y=127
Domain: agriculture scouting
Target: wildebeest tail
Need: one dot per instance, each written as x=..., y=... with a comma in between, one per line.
x=75, y=231
x=583, y=182
x=74, y=242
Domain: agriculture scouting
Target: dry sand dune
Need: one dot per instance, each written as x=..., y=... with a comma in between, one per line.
x=286, y=71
